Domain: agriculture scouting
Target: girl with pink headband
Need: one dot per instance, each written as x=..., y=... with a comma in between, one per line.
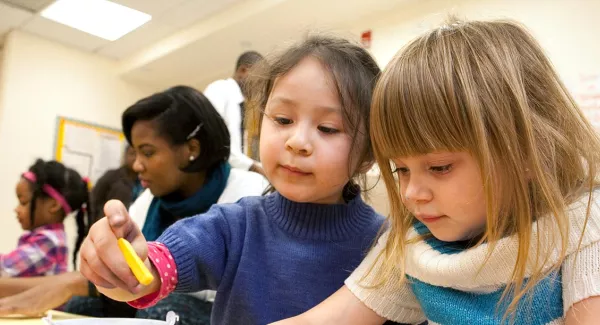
x=47, y=193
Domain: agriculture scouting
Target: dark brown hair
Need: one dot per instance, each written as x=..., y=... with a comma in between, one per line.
x=353, y=71
x=182, y=113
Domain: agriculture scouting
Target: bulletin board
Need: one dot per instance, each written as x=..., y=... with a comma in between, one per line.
x=88, y=148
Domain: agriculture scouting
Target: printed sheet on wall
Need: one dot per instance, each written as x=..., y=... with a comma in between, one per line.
x=88, y=148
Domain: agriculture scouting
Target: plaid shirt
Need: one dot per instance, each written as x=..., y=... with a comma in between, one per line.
x=42, y=251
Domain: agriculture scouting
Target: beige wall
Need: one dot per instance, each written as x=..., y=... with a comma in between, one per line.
x=568, y=31
x=1, y=77
x=40, y=81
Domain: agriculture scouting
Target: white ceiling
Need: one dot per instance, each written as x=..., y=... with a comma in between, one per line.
x=168, y=16
x=29, y=5
x=196, y=41
x=212, y=54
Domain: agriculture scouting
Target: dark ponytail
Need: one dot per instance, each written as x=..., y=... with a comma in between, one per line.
x=83, y=219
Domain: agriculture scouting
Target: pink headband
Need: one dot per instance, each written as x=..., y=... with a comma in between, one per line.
x=51, y=192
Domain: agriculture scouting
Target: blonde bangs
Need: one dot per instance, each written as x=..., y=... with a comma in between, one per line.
x=415, y=109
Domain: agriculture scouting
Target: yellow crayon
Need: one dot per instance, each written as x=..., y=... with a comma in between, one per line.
x=136, y=265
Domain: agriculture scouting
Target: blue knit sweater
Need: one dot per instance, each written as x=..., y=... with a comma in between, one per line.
x=270, y=258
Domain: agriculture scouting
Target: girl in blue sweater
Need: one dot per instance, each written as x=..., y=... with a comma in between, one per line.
x=274, y=256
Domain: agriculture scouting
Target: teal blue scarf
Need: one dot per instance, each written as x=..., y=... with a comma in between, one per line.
x=164, y=211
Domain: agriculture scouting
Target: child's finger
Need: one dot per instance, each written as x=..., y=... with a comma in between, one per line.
x=140, y=246
x=92, y=276
x=93, y=268
x=86, y=252
x=124, y=227
x=102, y=254
x=104, y=274
x=120, y=222
x=108, y=262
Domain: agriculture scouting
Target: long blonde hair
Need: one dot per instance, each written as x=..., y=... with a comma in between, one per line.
x=487, y=88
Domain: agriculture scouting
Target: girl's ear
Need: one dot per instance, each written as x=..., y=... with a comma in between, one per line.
x=54, y=206
x=48, y=205
x=193, y=148
x=189, y=152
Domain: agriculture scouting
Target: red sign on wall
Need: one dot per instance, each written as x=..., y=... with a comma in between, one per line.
x=365, y=39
